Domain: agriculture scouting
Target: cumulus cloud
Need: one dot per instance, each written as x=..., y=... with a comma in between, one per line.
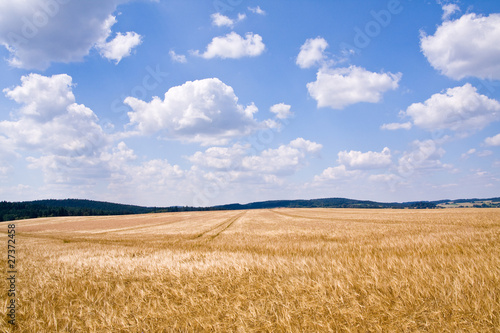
x=39, y=32
x=396, y=126
x=312, y=52
x=449, y=9
x=424, y=155
x=341, y=87
x=336, y=173
x=65, y=134
x=257, y=10
x=177, y=57
x=384, y=178
x=149, y=181
x=119, y=47
x=281, y=161
x=223, y=158
x=64, y=140
x=221, y=20
x=493, y=141
x=154, y=173
x=7, y=155
x=353, y=162
x=234, y=46
x=459, y=109
x=281, y=110
x=285, y=159
x=49, y=118
x=369, y=160
x=204, y=111
x=468, y=46
x=43, y=97
x=218, y=171
x=120, y=156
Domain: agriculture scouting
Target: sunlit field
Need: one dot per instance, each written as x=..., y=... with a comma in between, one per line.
x=281, y=270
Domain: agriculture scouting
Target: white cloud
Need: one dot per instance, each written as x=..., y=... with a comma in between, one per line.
x=353, y=162
x=39, y=32
x=43, y=97
x=234, y=46
x=156, y=181
x=65, y=135
x=250, y=110
x=485, y=153
x=424, y=155
x=493, y=141
x=385, y=178
x=396, y=126
x=50, y=119
x=468, y=46
x=220, y=20
x=468, y=153
x=120, y=156
x=120, y=47
x=449, y=10
x=64, y=140
x=177, y=57
x=336, y=173
x=369, y=160
x=306, y=145
x=154, y=173
x=234, y=164
x=286, y=159
x=205, y=111
x=281, y=110
x=340, y=87
x=311, y=53
x=220, y=157
x=459, y=109
x=257, y=10
x=7, y=155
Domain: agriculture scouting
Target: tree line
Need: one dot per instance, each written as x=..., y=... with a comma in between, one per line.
x=20, y=210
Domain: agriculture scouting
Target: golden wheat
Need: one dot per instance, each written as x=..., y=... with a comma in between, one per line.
x=282, y=270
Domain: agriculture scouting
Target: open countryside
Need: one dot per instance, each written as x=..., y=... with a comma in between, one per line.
x=294, y=270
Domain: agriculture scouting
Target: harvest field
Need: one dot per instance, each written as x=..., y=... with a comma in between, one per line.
x=280, y=270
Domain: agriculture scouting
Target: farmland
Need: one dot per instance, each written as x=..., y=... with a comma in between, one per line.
x=291, y=270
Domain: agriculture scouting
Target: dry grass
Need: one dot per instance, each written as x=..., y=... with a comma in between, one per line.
x=284, y=270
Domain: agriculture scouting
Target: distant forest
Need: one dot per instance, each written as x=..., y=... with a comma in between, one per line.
x=76, y=207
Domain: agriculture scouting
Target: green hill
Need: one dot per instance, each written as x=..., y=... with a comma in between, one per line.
x=78, y=207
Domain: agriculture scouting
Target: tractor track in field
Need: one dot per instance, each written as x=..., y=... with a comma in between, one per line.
x=223, y=226
x=329, y=219
x=345, y=220
x=116, y=230
x=138, y=227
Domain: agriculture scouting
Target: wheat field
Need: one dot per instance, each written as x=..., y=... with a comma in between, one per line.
x=280, y=270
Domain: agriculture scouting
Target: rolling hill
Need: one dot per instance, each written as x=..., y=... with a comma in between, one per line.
x=80, y=207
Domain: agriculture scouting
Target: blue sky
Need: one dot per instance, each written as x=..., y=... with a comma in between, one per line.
x=211, y=102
